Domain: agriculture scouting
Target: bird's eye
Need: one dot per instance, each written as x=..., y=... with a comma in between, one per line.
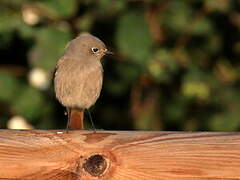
x=95, y=50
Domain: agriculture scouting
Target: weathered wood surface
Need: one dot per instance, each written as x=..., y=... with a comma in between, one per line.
x=119, y=155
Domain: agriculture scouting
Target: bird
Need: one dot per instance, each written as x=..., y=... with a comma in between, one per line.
x=79, y=77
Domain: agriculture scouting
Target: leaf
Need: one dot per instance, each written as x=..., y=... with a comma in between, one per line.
x=9, y=87
x=228, y=121
x=163, y=65
x=59, y=8
x=50, y=44
x=176, y=109
x=9, y=21
x=133, y=37
x=198, y=89
x=202, y=27
x=109, y=7
x=122, y=78
x=29, y=103
x=220, y=5
x=177, y=16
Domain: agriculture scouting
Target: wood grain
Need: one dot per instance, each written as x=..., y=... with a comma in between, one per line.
x=119, y=155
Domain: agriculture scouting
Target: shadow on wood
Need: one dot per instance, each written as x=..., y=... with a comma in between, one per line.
x=119, y=155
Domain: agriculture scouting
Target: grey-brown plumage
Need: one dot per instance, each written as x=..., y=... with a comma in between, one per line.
x=79, y=75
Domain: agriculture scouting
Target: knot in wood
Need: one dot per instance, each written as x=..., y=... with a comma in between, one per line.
x=95, y=165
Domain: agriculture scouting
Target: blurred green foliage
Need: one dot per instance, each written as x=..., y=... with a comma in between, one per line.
x=176, y=65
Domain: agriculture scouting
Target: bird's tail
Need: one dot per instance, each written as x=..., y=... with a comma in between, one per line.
x=75, y=119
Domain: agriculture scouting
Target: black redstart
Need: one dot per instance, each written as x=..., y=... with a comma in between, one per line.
x=79, y=76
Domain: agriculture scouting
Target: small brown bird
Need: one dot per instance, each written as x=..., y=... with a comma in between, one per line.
x=79, y=76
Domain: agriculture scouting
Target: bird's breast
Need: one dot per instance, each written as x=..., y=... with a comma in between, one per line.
x=78, y=84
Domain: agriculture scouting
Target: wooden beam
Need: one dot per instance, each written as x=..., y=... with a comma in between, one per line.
x=119, y=155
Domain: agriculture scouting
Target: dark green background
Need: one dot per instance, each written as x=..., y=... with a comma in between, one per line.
x=176, y=65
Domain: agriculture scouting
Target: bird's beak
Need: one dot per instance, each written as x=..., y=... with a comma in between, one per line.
x=107, y=52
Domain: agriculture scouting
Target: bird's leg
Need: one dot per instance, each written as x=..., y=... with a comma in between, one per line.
x=69, y=119
x=90, y=117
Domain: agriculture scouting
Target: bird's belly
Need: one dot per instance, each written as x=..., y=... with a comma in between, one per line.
x=79, y=89
x=91, y=90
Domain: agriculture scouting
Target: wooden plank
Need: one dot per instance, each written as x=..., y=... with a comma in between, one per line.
x=119, y=155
